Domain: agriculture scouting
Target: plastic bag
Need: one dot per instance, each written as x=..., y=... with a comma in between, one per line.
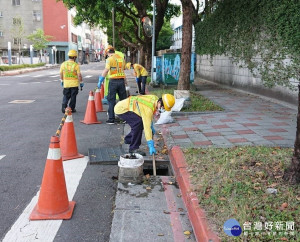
x=178, y=104
x=165, y=118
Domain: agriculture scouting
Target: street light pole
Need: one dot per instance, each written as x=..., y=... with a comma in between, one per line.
x=113, y=25
x=153, y=41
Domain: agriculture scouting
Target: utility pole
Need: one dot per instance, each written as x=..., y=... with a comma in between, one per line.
x=153, y=42
x=113, y=24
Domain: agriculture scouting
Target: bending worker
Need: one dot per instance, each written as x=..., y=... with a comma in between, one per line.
x=114, y=66
x=140, y=74
x=71, y=78
x=138, y=112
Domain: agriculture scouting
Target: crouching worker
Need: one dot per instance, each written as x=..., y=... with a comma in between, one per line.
x=138, y=113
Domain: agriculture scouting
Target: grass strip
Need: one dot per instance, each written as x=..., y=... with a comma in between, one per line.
x=199, y=103
x=232, y=183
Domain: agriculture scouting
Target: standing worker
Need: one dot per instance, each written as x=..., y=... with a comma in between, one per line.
x=138, y=112
x=140, y=74
x=114, y=67
x=71, y=78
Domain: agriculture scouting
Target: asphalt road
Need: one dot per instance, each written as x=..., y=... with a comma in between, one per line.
x=26, y=128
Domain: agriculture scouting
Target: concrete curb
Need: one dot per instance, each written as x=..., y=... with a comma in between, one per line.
x=196, y=215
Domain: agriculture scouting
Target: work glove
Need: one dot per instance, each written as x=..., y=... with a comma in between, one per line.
x=101, y=80
x=81, y=85
x=152, y=150
x=152, y=128
x=137, y=79
x=62, y=84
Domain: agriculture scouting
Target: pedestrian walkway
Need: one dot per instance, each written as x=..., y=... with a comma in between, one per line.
x=246, y=120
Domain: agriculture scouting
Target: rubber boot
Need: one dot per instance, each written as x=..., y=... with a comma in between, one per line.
x=63, y=107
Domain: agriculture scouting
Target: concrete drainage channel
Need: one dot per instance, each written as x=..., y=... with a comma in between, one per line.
x=152, y=208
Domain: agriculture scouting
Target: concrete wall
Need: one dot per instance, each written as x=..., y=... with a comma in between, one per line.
x=223, y=71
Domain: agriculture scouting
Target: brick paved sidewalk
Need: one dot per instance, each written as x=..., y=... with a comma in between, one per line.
x=246, y=120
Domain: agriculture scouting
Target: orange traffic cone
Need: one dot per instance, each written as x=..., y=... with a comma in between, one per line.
x=98, y=101
x=53, y=199
x=90, y=113
x=68, y=145
x=102, y=91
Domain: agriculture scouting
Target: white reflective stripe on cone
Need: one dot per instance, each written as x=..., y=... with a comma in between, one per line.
x=98, y=90
x=54, y=154
x=91, y=98
x=69, y=119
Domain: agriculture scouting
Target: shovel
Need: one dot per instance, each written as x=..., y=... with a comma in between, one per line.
x=154, y=166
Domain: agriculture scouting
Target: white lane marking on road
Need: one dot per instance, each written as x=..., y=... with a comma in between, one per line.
x=48, y=81
x=45, y=230
x=54, y=76
x=38, y=75
x=87, y=76
x=4, y=84
x=35, y=82
x=23, y=83
x=22, y=101
x=2, y=156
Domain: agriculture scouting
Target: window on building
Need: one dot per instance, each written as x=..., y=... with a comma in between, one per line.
x=16, y=2
x=36, y=16
x=74, y=38
x=17, y=21
x=17, y=41
x=1, y=33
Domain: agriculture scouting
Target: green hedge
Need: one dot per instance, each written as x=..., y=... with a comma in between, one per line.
x=248, y=29
x=15, y=67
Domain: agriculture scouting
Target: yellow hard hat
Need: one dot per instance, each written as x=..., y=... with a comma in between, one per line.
x=72, y=53
x=128, y=65
x=168, y=101
x=109, y=47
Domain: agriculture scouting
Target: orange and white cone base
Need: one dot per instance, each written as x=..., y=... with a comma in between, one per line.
x=68, y=144
x=90, y=113
x=53, y=198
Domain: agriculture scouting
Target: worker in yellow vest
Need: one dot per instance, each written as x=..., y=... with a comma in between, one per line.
x=140, y=74
x=71, y=79
x=114, y=67
x=106, y=82
x=138, y=113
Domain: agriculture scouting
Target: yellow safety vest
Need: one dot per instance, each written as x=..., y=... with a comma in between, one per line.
x=70, y=74
x=117, y=69
x=147, y=100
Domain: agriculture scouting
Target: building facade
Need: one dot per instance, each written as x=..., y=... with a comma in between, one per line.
x=20, y=18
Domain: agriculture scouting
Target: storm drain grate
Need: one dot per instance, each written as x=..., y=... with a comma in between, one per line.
x=105, y=155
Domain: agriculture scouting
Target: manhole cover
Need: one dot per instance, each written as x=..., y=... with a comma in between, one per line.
x=105, y=155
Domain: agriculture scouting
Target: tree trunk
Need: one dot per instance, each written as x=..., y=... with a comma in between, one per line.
x=292, y=173
x=186, y=50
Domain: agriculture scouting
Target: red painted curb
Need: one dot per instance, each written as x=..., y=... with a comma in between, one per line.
x=196, y=215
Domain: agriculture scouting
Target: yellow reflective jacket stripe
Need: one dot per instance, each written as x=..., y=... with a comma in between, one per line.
x=147, y=100
x=119, y=71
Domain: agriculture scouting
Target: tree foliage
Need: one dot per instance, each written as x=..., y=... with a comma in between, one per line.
x=39, y=39
x=164, y=40
x=128, y=16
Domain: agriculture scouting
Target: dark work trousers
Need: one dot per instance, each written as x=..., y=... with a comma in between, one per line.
x=134, y=138
x=142, y=84
x=115, y=86
x=70, y=93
